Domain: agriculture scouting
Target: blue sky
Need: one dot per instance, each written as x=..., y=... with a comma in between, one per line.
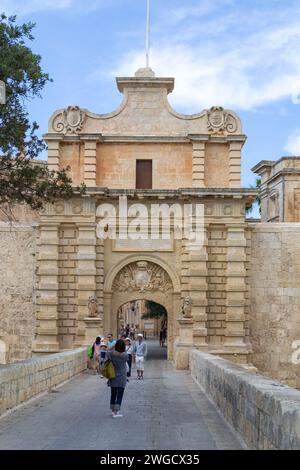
x=240, y=54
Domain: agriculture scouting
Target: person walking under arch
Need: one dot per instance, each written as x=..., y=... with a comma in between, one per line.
x=119, y=359
x=140, y=351
x=129, y=350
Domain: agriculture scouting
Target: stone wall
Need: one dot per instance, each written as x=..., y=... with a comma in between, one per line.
x=265, y=413
x=274, y=280
x=172, y=164
x=17, y=281
x=22, y=381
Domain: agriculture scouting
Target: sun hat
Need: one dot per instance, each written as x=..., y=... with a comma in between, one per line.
x=127, y=339
x=103, y=344
x=140, y=334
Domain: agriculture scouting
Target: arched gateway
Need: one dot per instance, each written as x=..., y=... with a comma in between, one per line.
x=146, y=153
x=142, y=278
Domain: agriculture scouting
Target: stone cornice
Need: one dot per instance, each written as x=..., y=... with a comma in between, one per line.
x=151, y=82
x=269, y=164
x=146, y=138
x=235, y=193
x=262, y=166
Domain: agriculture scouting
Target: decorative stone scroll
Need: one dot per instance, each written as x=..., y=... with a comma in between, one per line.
x=219, y=121
x=142, y=276
x=69, y=121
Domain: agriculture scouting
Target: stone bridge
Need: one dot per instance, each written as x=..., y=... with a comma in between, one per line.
x=54, y=402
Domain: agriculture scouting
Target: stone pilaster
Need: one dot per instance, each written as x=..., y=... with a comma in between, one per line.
x=235, y=149
x=235, y=290
x=173, y=326
x=184, y=343
x=198, y=273
x=185, y=285
x=47, y=293
x=90, y=162
x=53, y=154
x=67, y=308
x=198, y=164
x=86, y=273
x=100, y=274
x=109, y=320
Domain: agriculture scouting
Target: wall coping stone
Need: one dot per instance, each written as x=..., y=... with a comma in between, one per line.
x=264, y=412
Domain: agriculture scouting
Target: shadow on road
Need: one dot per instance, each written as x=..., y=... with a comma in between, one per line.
x=155, y=351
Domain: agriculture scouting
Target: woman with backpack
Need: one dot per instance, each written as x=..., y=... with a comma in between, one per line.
x=119, y=359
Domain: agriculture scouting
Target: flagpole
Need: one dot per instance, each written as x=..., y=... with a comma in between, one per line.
x=148, y=34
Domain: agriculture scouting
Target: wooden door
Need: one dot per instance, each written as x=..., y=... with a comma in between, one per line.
x=144, y=174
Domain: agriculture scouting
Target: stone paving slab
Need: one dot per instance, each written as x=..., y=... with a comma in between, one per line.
x=166, y=411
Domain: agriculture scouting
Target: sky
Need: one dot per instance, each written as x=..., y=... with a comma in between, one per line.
x=243, y=55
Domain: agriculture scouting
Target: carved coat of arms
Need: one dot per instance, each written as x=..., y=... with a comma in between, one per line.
x=142, y=276
x=219, y=120
x=70, y=120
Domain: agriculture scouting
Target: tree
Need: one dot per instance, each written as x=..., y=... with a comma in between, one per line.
x=21, y=180
x=257, y=199
x=155, y=310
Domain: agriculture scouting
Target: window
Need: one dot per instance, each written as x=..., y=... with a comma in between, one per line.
x=144, y=174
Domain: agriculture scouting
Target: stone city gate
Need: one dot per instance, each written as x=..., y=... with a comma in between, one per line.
x=83, y=280
x=142, y=278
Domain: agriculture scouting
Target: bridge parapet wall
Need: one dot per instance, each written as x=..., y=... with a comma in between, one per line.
x=23, y=380
x=265, y=413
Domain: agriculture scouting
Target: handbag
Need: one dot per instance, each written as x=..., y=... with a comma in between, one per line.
x=108, y=370
x=90, y=352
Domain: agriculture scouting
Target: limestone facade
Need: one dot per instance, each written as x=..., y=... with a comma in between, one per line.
x=275, y=300
x=280, y=189
x=17, y=291
x=242, y=283
x=195, y=160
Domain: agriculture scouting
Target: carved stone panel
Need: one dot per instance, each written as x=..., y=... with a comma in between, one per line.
x=69, y=121
x=142, y=276
x=219, y=121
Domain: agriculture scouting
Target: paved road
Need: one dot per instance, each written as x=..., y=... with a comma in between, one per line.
x=165, y=411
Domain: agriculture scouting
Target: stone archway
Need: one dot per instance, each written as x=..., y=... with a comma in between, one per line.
x=142, y=278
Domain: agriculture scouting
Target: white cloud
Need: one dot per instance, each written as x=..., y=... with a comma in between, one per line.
x=28, y=7
x=293, y=143
x=239, y=58
x=25, y=7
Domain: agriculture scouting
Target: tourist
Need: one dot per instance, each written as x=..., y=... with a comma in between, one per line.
x=140, y=352
x=161, y=337
x=110, y=342
x=103, y=356
x=119, y=359
x=122, y=331
x=127, y=330
x=96, y=355
x=129, y=350
x=132, y=332
x=165, y=334
x=123, y=337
